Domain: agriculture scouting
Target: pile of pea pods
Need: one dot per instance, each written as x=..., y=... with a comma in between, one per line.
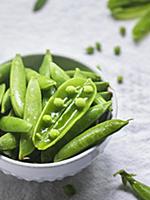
x=50, y=115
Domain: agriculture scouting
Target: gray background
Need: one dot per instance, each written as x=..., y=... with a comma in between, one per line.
x=67, y=27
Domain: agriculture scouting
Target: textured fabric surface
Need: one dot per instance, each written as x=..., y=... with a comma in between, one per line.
x=67, y=27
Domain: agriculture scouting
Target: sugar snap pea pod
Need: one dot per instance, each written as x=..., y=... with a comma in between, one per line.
x=32, y=111
x=78, y=74
x=89, y=138
x=140, y=189
x=8, y=142
x=6, y=102
x=47, y=94
x=17, y=85
x=2, y=91
x=45, y=66
x=94, y=113
x=4, y=71
x=69, y=103
x=102, y=86
x=106, y=95
x=58, y=74
x=86, y=74
x=44, y=82
x=14, y=124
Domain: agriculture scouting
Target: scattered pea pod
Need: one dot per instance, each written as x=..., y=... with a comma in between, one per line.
x=140, y=189
x=89, y=138
x=80, y=94
x=32, y=111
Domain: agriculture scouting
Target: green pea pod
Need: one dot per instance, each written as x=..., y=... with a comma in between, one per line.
x=45, y=67
x=47, y=94
x=142, y=28
x=44, y=82
x=69, y=103
x=86, y=74
x=58, y=74
x=106, y=95
x=32, y=111
x=17, y=85
x=8, y=142
x=39, y=4
x=2, y=91
x=6, y=102
x=11, y=153
x=102, y=86
x=99, y=99
x=93, y=114
x=89, y=138
x=79, y=74
x=4, y=71
x=14, y=124
x=140, y=189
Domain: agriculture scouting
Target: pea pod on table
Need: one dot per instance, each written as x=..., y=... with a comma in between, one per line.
x=69, y=103
x=17, y=85
x=32, y=111
x=89, y=138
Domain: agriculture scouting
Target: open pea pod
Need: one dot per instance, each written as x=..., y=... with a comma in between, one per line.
x=70, y=102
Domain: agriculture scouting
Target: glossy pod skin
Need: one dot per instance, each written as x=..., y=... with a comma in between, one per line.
x=45, y=66
x=32, y=111
x=71, y=105
x=14, y=124
x=2, y=91
x=6, y=102
x=93, y=114
x=44, y=82
x=8, y=142
x=17, y=85
x=89, y=138
x=140, y=189
x=4, y=71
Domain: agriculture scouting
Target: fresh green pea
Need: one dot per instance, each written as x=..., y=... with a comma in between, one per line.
x=2, y=91
x=89, y=138
x=44, y=82
x=32, y=111
x=101, y=86
x=17, y=85
x=8, y=142
x=64, y=117
x=58, y=74
x=4, y=71
x=140, y=189
x=45, y=67
x=6, y=102
x=14, y=124
x=86, y=74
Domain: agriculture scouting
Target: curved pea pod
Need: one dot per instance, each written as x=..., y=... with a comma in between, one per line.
x=8, y=142
x=14, y=124
x=87, y=74
x=17, y=85
x=140, y=189
x=89, y=138
x=102, y=86
x=69, y=103
x=6, y=102
x=2, y=91
x=45, y=66
x=58, y=74
x=93, y=114
x=4, y=71
x=32, y=111
x=44, y=82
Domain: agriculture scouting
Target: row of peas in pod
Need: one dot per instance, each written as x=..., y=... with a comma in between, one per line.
x=50, y=115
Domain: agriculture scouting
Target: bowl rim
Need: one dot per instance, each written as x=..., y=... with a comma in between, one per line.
x=78, y=156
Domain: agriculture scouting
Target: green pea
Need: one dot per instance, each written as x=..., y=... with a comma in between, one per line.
x=80, y=102
x=88, y=89
x=47, y=119
x=4, y=71
x=2, y=91
x=32, y=111
x=17, y=85
x=6, y=102
x=54, y=133
x=71, y=90
x=8, y=142
x=14, y=124
x=89, y=138
x=58, y=102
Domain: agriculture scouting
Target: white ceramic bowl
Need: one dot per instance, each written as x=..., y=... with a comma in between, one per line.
x=54, y=171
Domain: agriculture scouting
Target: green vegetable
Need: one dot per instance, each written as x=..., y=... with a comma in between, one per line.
x=17, y=85
x=120, y=79
x=90, y=50
x=4, y=71
x=122, y=31
x=101, y=86
x=6, y=102
x=8, y=142
x=89, y=138
x=98, y=67
x=45, y=67
x=69, y=190
x=39, y=4
x=117, y=50
x=2, y=91
x=140, y=189
x=98, y=46
x=106, y=95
